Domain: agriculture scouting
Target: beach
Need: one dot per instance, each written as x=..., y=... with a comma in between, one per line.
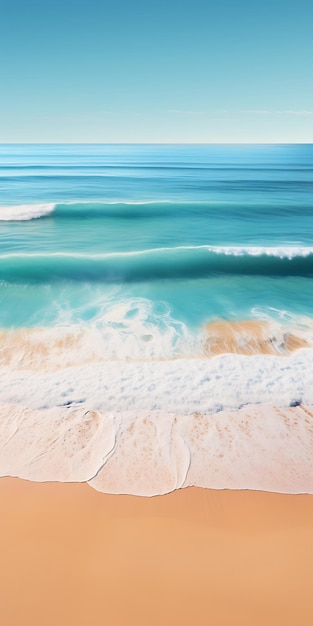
x=156, y=313
x=71, y=555
x=156, y=350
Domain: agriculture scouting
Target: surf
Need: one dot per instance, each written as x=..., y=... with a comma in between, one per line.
x=25, y=212
x=155, y=264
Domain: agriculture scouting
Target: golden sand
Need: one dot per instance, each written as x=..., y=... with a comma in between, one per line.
x=250, y=337
x=72, y=556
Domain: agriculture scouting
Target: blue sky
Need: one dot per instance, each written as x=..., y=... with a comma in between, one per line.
x=175, y=71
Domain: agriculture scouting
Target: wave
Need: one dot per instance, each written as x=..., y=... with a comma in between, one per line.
x=145, y=209
x=25, y=212
x=127, y=209
x=91, y=210
x=150, y=453
x=132, y=331
x=182, y=262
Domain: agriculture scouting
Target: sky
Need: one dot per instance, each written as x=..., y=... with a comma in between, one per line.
x=171, y=71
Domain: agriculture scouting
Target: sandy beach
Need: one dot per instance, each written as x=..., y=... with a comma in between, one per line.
x=71, y=555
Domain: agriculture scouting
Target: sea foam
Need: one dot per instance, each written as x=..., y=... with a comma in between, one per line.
x=151, y=452
x=24, y=212
x=134, y=330
x=183, y=385
x=148, y=427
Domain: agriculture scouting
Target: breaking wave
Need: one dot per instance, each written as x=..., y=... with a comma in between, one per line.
x=157, y=264
x=25, y=212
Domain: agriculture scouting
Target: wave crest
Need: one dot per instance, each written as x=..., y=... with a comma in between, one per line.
x=25, y=212
x=157, y=264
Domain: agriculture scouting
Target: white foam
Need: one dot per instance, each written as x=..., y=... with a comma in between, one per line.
x=151, y=452
x=182, y=385
x=24, y=212
x=132, y=329
x=282, y=252
x=54, y=444
x=151, y=456
x=154, y=423
x=260, y=448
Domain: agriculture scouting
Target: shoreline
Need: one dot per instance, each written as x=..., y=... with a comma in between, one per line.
x=71, y=555
x=258, y=447
x=49, y=348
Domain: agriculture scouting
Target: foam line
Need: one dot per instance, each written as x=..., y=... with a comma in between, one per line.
x=281, y=252
x=226, y=381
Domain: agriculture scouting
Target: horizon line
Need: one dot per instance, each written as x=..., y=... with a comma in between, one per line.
x=158, y=143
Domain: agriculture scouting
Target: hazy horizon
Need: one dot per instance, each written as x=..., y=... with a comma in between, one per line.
x=157, y=143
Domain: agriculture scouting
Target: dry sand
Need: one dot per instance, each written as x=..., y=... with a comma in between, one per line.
x=73, y=556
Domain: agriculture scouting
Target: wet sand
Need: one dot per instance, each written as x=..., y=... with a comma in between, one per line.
x=51, y=348
x=250, y=337
x=73, y=556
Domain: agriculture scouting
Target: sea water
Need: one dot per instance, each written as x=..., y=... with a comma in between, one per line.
x=147, y=289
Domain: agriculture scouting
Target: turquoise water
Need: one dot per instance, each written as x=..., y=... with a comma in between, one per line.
x=191, y=232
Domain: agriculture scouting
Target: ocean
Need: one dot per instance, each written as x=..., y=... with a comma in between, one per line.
x=156, y=316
